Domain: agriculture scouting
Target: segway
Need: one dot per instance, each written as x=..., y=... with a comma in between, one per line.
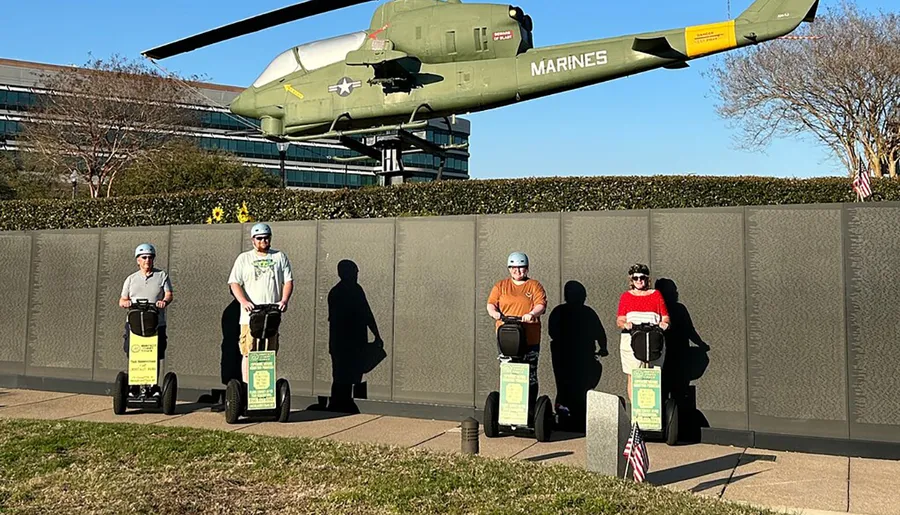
x=657, y=417
x=138, y=387
x=510, y=410
x=261, y=396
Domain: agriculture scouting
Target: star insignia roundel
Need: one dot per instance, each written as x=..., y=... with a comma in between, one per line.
x=345, y=86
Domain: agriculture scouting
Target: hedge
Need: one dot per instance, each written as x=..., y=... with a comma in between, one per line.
x=431, y=199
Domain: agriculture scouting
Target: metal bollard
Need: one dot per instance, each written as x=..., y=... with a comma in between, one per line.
x=469, y=436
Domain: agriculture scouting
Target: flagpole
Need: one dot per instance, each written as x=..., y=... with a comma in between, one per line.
x=627, y=462
x=856, y=184
x=628, y=457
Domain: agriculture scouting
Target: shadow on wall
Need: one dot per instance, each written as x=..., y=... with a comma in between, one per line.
x=230, y=353
x=352, y=354
x=577, y=341
x=684, y=363
x=230, y=364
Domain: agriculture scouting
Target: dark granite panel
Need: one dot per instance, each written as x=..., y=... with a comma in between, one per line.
x=698, y=265
x=369, y=245
x=15, y=275
x=797, y=350
x=598, y=248
x=61, y=320
x=200, y=260
x=433, y=319
x=874, y=328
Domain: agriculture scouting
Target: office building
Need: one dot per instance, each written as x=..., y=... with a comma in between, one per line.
x=307, y=164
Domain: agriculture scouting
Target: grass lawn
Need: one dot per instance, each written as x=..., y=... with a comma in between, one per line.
x=84, y=467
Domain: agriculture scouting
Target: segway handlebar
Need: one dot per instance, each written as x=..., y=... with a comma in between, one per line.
x=265, y=308
x=505, y=318
x=143, y=305
x=644, y=326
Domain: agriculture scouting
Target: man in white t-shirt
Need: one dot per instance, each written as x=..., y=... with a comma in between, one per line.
x=259, y=276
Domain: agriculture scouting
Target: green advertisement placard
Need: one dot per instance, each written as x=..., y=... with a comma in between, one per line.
x=513, y=394
x=646, y=398
x=261, y=385
x=142, y=364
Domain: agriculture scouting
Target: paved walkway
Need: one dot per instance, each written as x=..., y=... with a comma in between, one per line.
x=806, y=483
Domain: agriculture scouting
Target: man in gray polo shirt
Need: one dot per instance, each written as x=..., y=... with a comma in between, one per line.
x=261, y=275
x=152, y=284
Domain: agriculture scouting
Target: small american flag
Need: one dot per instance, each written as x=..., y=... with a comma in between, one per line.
x=861, y=184
x=636, y=454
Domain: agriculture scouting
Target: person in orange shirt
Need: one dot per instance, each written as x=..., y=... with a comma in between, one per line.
x=521, y=296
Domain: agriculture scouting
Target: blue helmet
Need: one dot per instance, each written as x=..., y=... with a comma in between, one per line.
x=145, y=248
x=258, y=229
x=517, y=259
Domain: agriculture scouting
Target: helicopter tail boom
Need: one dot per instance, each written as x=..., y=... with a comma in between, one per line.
x=549, y=70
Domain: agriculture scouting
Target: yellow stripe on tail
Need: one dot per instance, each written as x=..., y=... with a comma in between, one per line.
x=712, y=37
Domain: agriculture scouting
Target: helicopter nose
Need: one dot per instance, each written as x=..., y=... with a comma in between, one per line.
x=244, y=104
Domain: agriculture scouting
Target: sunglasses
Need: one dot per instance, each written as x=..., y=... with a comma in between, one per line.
x=146, y=257
x=638, y=277
x=261, y=238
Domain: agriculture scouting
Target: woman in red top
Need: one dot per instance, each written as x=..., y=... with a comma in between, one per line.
x=639, y=305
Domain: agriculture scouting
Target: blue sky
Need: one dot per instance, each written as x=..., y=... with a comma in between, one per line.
x=614, y=128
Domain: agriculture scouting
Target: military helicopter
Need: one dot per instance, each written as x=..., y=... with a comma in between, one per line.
x=424, y=59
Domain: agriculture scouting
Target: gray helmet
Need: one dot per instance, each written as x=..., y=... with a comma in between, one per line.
x=145, y=248
x=517, y=259
x=259, y=229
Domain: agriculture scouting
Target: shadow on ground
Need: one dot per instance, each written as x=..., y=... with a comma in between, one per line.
x=549, y=456
x=707, y=485
x=703, y=468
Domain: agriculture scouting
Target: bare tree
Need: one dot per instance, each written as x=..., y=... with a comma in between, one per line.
x=839, y=83
x=95, y=120
x=893, y=146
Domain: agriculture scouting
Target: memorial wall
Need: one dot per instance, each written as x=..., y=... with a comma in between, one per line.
x=786, y=315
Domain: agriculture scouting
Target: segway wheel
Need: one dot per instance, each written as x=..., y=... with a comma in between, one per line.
x=283, y=400
x=543, y=419
x=492, y=415
x=671, y=421
x=120, y=393
x=233, y=402
x=169, y=393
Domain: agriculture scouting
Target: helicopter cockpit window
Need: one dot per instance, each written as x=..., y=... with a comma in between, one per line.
x=284, y=64
x=319, y=54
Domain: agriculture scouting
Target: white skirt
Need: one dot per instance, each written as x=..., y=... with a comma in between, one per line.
x=626, y=354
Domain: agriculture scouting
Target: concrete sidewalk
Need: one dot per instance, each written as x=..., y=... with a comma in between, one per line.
x=796, y=482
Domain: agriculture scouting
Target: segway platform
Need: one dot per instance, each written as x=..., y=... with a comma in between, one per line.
x=137, y=388
x=263, y=395
x=657, y=417
x=507, y=410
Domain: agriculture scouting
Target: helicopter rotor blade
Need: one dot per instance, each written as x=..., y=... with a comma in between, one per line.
x=249, y=25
